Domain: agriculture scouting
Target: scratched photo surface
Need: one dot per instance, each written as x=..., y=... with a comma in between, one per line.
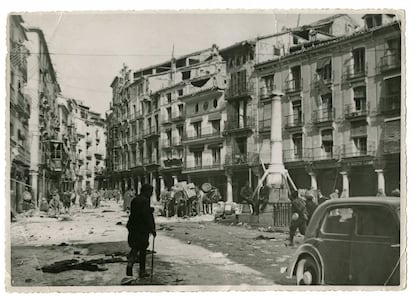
x=199, y=150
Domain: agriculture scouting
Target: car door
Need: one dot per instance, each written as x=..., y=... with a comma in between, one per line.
x=375, y=246
x=333, y=243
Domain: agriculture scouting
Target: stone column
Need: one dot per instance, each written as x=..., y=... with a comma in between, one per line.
x=381, y=180
x=314, y=182
x=345, y=182
x=229, y=189
x=139, y=185
x=162, y=184
x=34, y=175
x=154, y=193
x=276, y=167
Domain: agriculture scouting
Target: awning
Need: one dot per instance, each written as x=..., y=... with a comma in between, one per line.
x=215, y=145
x=200, y=83
x=196, y=147
x=214, y=116
x=323, y=62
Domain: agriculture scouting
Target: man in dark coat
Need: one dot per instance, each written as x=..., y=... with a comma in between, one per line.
x=140, y=225
x=299, y=216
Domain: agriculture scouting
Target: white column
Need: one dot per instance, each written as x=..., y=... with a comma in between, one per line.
x=276, y=167
x=229, y=189
x=34, y=183
x=139, y=185
x=162, y=184
x=381, y=180
x=345, y=182
x=154, y=193
x=314, y=182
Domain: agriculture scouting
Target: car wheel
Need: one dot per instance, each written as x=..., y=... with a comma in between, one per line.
x=307, y=272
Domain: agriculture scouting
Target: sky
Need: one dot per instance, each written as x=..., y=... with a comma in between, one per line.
x=89, y=49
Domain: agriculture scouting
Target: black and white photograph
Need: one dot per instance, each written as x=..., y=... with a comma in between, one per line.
x=245, y=149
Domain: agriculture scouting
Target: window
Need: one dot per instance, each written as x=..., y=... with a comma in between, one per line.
x=196, y=108
x=375, y=221
x=198, y=158
x=297, y=145
x=215, y=103
x=168, y=113
x=324, y=69
x=327, y=141
x=205, y=106
x=360, y=144
x=360, y=99
x=216, y=156
x=297, y=112
x=296, y=77
x=180, y=92
x=215, y=125
x=338, y=221
x=169, y=97
x=358, y=56
x=186, y=74
x=197, y=129
x=84, y=114
x=180, y=130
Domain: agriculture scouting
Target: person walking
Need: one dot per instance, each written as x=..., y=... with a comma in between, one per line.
x=299, y=217
x=140, y=225
x=310, y=205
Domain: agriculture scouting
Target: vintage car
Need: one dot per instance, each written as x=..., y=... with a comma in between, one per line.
x=353, y=241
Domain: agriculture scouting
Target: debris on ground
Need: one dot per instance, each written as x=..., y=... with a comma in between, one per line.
x=74, y=264
x=261, y=237
x=165, y=228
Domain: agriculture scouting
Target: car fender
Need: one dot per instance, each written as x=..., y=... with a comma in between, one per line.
x=307, y=250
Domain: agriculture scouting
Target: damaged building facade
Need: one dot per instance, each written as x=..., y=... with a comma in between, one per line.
x=207, y=116
x=341, y=109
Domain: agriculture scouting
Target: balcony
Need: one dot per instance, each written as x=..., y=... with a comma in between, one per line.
x=173, y=163
x=205, y=135
x=237, y=91
x=151, y=161
x=322, y=116
x=165, y=120
x=194, y=167
x=293, y=121
x=292, y=86
x=239, y=125
x=166, y=144
x=354, y=72
x=350, y=150
x=23, y=155
x=176, y=117
x=353, y=112
x=322, y=153
x=390, y=62
x=322, y=84
x=242, y=159
x=151, y=132
x=391, y=104
x=293, y=155
x=177, y=141
x=265, y=125
x=266, y=92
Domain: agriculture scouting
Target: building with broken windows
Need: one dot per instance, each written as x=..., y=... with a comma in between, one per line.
x=88, y=141
x=341, y=108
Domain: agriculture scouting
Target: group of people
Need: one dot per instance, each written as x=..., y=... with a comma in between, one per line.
x=196, y=201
